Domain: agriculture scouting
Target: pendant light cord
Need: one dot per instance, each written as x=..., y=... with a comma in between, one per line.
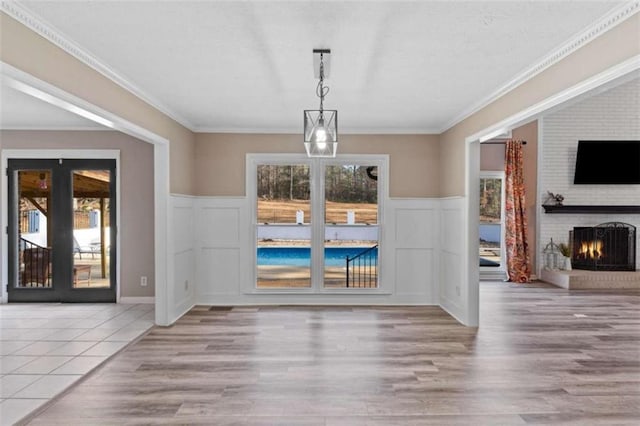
x=321, y=90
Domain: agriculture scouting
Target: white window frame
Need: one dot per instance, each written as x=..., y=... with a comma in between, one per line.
x=502, y=269
x=317, y=171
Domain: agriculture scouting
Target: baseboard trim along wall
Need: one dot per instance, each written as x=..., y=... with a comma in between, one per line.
x=137, y=300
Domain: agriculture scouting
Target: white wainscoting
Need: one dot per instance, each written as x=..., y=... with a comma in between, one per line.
x=183, y=283
x=453, y=285
x=224, y=257
x=224, y=244
x=413, y=235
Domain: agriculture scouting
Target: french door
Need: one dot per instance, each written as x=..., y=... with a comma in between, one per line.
x=62, y=230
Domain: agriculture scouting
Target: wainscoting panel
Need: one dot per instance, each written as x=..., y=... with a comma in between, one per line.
x=223, y=248
x=220, y=272
x=452, y=260
x=409, y=256
x=222, y=227
x=415, y=227
x=184, y=264
x=415, y=273
x=413, y=235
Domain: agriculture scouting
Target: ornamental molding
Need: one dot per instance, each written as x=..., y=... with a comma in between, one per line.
x=602, y=25
x=29, y=19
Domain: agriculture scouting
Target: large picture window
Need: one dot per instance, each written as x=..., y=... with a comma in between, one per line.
x=317, y=222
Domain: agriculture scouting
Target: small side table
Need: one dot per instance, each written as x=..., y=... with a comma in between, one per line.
x=81, y=268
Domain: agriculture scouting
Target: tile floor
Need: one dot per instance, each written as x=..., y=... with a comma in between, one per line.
x=45, y=348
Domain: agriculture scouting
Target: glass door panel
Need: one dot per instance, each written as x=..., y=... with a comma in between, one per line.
x=351, y=226
x=91, y=231
x=491, y=227
x=283, y=228
x=34, y=267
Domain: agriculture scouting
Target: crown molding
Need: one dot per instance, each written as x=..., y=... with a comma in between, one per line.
x=291, y=131
x=35, y=23
x=602, y=25
x=37, y=128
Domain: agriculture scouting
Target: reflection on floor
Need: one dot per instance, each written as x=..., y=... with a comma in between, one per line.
x=45, y=348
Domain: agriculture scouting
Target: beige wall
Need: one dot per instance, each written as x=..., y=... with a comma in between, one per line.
x=136, y=227
x=611, y=48
x=492, y=159
x=413, y=160
x=22, y=48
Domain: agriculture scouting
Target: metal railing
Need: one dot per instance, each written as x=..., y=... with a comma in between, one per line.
x=362, y=269
x=35, y=264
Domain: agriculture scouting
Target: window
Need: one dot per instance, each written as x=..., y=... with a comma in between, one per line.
x=492, y=221
x=317, y=222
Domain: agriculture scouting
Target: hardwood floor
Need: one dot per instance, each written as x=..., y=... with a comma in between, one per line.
x=542, y=355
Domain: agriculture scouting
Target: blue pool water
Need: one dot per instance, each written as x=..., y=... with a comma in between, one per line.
x=300, y=256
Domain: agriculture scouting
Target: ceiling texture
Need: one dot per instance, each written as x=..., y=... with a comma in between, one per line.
x=247, y=66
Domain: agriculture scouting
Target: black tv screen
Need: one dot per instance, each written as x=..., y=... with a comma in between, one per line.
x=608, y=162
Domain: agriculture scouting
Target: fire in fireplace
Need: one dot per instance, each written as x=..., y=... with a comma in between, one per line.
x=609, y=246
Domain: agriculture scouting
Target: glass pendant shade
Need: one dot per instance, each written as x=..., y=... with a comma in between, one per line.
x=321, y=133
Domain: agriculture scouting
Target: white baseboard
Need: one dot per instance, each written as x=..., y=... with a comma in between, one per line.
x=137, y=300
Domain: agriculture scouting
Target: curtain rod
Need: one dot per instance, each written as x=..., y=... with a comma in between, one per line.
x=499, y=142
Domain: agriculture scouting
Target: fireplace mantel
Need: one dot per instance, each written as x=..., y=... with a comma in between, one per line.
x=592, y=209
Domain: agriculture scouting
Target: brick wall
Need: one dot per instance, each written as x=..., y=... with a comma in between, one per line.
x=611, y=115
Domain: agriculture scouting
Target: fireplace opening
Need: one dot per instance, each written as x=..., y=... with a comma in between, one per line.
x=609, y=246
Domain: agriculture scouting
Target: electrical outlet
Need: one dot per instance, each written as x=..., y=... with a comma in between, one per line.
x=143, y=281
x=186, y=285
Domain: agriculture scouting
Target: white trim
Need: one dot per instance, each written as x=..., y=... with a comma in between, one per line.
x=471, y=216
x=530, y=113
x=472, y=162
x=298, y=130
x=137, y=300
x=596, y=29
x=7, y=154
x=36, y=128
x=162, y=212
x=37, y=24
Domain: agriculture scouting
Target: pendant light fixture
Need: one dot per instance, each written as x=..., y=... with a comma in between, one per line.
x=321, y=125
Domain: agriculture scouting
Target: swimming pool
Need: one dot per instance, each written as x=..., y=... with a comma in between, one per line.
x=300, y=256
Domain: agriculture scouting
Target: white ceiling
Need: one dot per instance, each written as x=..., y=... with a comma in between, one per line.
x=396, y=66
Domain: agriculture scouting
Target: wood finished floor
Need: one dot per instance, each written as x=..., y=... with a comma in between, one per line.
x=532, y=361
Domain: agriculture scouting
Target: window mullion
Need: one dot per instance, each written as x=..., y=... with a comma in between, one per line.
x=317, y=223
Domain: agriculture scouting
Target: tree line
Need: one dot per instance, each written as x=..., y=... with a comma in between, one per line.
x=343, y=183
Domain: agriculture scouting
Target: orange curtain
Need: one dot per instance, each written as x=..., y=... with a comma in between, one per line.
x=518, y=266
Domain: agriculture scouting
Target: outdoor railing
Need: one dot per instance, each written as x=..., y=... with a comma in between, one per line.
x=35, y=264
x=362, y=269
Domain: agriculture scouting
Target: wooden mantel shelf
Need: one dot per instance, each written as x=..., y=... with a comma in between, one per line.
x=592, y=209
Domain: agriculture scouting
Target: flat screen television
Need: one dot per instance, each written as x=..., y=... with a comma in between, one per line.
x=608, y=162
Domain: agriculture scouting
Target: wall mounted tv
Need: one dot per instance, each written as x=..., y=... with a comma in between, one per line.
x=608, y=162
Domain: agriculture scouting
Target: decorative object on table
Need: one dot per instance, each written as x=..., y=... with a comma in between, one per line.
x=565, y=249
x=551, y=255
x=554, y=199
x=321, y=126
